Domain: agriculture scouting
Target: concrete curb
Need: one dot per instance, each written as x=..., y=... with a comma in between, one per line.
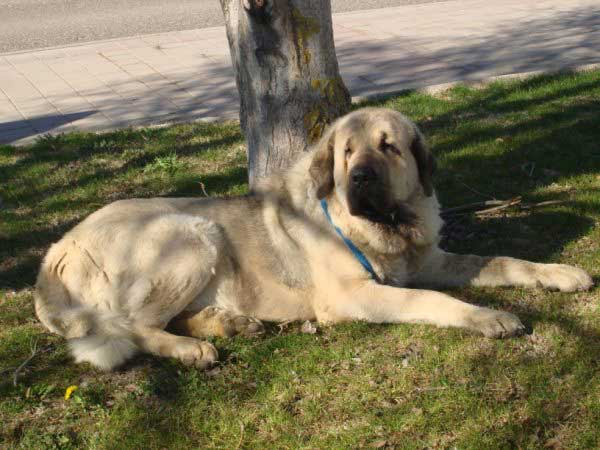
x=101, y=42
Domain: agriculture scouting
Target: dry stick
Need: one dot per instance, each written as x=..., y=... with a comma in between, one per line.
x=283, y=325
x=546, y=203
x=498, y=205
x=203, y=189
x=429, y=389
x=527, y=206
x=24, y=363
x=241, y=435
x=472, y=206
x=444, y=388
x=512, y=202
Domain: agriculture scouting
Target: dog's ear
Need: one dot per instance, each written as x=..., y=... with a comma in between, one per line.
x=321, y=167
x=426, y=162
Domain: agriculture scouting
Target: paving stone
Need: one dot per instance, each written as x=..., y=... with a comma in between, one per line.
x=187, y=75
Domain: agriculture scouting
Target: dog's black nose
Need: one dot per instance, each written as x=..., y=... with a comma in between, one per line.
x=362, y=176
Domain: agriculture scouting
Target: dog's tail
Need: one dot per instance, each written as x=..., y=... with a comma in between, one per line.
x=101, y=338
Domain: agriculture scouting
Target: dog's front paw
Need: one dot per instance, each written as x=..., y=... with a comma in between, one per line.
x=561, y=277
x=495, y=324
x=194, y=352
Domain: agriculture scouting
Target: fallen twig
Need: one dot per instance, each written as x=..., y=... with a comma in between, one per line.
x=505, y=205
x=283, y=325
x=472, y=207
x=482, y=208
x=546, y=203
x=429, y=389
x=203, y=188
x=470, y=388
x=24, y=363
x=241, y=435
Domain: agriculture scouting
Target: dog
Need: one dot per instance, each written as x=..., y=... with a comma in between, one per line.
x=339, y=236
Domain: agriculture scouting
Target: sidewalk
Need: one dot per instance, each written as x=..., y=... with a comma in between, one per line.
x=187, y=75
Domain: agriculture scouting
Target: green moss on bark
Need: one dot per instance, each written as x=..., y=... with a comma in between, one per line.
x=332, y=102
x=304, y=27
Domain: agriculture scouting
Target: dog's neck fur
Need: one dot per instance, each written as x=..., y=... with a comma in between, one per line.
x=297, y=186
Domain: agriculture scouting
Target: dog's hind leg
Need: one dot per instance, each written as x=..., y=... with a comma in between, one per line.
x=215, y=321
x=189, y=350
x=113, y=300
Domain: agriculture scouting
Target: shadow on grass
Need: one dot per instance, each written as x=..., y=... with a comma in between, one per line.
x=538, y=237
x=49, y=150
x=21, y=249
x=559, y=136
x=569, y=372
x=26, y=242
x=559, y=132
x=183, y=407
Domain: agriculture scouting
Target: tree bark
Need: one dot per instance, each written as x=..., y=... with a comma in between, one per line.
x=287, y=75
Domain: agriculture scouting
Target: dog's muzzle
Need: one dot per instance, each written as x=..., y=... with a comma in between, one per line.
x=362, y=177
x=366, y=192
x=369, y=197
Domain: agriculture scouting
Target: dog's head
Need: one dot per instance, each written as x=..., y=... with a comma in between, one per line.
x=375, y=159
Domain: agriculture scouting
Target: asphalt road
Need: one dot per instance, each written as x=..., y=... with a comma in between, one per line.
x=29, y=24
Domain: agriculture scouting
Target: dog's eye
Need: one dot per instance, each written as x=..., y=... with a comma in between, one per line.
x=348, y=152
x=385, y=148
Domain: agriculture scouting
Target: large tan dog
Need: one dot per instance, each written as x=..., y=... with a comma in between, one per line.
x=220, y=266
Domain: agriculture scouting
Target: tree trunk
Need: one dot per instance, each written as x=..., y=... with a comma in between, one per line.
x=287, y=75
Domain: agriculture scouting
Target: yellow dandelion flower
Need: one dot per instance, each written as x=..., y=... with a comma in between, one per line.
x=69, y=391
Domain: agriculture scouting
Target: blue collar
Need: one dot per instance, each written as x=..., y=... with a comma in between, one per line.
x=360, y=256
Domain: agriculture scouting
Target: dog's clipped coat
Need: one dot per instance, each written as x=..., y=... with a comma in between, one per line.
x=201, y=267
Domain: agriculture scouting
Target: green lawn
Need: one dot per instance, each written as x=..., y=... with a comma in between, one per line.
x=400, y=386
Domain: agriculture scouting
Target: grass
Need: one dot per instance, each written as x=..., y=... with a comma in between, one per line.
x=349, y=386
